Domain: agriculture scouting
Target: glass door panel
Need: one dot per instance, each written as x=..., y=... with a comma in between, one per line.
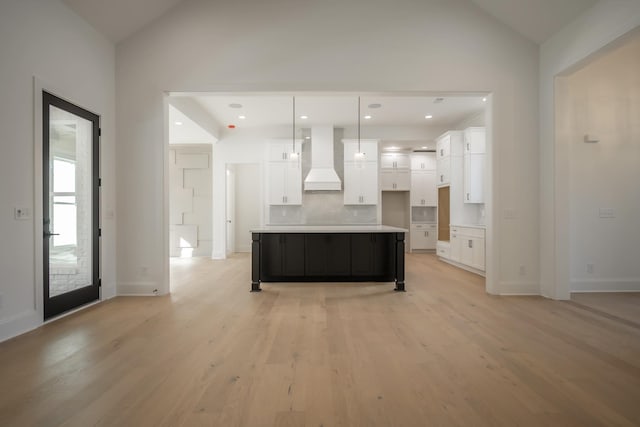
x=70, y=212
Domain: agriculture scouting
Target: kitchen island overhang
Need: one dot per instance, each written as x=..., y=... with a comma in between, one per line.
x=320, y=253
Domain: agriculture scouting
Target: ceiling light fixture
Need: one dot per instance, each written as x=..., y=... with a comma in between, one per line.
x=484, y=99
x=303, y=117
x=367, y=117
x=178, y=123
x=241, y=117
x=428, y=116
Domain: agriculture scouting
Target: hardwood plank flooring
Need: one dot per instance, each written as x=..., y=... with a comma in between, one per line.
x=325, y=354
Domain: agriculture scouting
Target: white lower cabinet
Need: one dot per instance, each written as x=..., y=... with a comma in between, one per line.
x=423, y=236
x=468, y=246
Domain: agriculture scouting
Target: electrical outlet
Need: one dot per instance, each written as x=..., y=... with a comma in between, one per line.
x=590, y=268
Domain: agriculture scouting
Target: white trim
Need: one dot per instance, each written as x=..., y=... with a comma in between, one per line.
x=631, y=284
x=139, y=288
x=515, y=288
x=463, y=266
x=19, y=324
x=165, y=287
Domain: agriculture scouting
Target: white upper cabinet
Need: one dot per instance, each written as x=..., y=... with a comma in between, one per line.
x=361, y=174
x=395, y=179
x=474, y=140
x=448, y=147
x=474, y=164
x=394, y=161
x=367, y=146
x=423, y=161
x=284, y=183
x=360, y=183
x=282, y=150
x=284, y=173
x=424, y=191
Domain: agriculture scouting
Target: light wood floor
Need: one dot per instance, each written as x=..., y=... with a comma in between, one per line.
x=213, y=354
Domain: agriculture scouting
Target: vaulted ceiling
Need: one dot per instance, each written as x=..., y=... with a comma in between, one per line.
x=536, y=20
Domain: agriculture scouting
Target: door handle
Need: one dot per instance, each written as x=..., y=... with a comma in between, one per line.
x=48, y=234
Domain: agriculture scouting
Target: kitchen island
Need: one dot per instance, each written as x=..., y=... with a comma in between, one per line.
x=321, y=253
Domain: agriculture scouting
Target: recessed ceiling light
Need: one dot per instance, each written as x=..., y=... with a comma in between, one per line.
x=484, y=99
x=241, y=117
x=307, y=137
x=393, y=148
x=424, y=148
x=428, y=116
x=367, y=117
x=375, y=105
x=235, y=105
x=303, y=117
x=178, y=123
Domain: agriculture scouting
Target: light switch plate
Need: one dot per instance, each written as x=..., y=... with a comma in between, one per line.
x=22, y=213
x=607, y=213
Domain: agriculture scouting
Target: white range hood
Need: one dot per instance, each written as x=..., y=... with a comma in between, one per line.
x=322, y=176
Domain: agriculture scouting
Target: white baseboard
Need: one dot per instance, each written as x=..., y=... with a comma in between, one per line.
x=463, y=266
x=138, y=289
x=19, y=324
x=513, y=288
x=606, y=285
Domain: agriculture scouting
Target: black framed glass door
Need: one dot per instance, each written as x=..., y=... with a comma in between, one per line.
x=70, y=146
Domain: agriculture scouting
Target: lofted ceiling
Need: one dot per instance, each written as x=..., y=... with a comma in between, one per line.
x=537, y=20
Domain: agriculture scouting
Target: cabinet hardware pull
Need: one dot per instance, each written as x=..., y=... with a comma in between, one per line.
x=467, y=196
x=471, y=243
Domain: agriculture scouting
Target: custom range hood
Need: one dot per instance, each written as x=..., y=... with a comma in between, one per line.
x=322, y=176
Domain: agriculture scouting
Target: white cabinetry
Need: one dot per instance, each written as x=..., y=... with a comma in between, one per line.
x=394, y=172
x=448, y=150
x=281, y=151
x=284, y=174
x=474, y=164
x=395, y=179
x=468, y=246
x=394, y=161
x=423, y=236
x=423, y=188
x=361, y=174
x=423, y=161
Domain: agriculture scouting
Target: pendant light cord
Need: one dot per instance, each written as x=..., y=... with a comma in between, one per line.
x=359, y=126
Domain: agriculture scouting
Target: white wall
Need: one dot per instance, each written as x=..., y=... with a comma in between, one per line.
x=602, y=101
x=190, y=186
x=605, y=22
x=47, y=40
x=247, y=211
x=359, y=45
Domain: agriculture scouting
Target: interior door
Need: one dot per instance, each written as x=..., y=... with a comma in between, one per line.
x=70, y=205
x=231, y=210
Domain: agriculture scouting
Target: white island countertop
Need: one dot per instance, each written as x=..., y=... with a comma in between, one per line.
x=328, y=229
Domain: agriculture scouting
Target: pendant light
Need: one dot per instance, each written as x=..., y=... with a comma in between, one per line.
x=294, y=154
x=359, y=155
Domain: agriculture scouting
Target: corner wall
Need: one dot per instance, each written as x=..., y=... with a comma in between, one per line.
x=599, y=26
x=69, y=58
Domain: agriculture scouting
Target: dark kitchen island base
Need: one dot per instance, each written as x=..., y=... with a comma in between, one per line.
x=297, y=255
